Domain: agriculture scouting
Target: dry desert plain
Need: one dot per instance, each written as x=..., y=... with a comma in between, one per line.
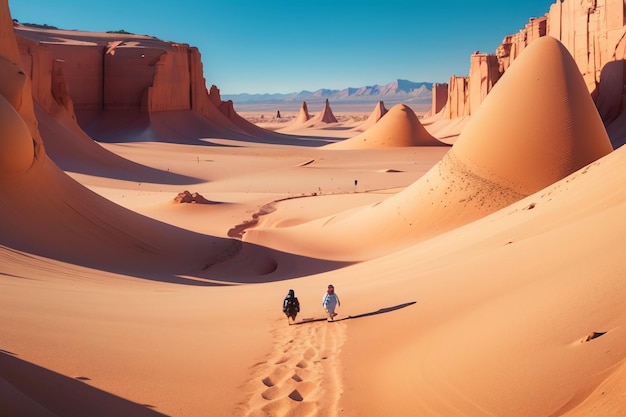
x=479, y=263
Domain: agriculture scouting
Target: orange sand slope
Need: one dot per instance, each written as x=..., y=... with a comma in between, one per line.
x=495, y=162
x=482, y=279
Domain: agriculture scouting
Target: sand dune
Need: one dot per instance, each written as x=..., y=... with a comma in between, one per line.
x=399, y=128
x=562, y=134
x=504, y=306
x=478, y=279
x=498, y=159
x=68, y=222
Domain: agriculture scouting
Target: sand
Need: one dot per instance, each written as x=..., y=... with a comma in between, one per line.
x=479, y=262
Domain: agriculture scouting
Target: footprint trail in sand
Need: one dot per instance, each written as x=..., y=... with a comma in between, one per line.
x=301, y=377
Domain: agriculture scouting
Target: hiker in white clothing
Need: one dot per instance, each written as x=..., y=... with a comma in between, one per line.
x=330, y=301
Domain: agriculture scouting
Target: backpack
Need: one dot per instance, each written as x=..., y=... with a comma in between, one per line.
x=291, y=303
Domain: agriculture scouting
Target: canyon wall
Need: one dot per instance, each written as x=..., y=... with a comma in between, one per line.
x=99, y=72
x=458, y=101
x=173, y=71
x=440, y=97
x=593, y=32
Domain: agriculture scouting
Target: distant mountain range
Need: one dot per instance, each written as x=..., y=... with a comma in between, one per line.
x=414, y=94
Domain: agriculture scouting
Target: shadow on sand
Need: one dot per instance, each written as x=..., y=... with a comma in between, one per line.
x=32, y=390
x=358, y=316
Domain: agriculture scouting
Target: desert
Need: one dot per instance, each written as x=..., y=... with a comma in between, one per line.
x=150, y=232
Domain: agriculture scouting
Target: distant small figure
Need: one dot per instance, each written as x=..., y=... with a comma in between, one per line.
x=278, y=114
x=330, y=301
x=291, y=305
x=356, y=182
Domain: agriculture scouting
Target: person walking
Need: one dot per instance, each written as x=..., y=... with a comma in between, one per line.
x=330, y=301
x=291, y=305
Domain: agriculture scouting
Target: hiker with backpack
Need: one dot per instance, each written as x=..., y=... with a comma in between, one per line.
x=291, y=305
x=330, y=301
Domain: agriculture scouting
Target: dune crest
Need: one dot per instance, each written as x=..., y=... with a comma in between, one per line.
x=399, y=128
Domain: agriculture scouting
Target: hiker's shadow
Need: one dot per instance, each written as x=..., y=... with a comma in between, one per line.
x=358, y=316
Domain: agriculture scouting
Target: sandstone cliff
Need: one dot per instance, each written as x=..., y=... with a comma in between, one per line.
x=110, y=84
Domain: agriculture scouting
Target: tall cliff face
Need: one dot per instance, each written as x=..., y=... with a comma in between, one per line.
x=172, y=72
x=106, y=72
x=513, y=45
x=591, y=30
x=440, y=97
x=119, y=85
x=96, y=72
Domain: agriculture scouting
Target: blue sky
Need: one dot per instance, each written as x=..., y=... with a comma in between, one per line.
x=285, y=46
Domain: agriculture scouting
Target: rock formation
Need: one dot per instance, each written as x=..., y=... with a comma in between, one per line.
x=303, y=114
x=324, y=116
x=106, y=79
x=95, y=231
x=440, y=97
x=190, y=198
x=303, y=120
x=379, y=111
x=55, y=124
x=483, y=76
x=227, y=109
x=104, y=72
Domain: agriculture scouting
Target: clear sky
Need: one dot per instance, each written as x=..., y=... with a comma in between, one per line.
x=285, y=46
